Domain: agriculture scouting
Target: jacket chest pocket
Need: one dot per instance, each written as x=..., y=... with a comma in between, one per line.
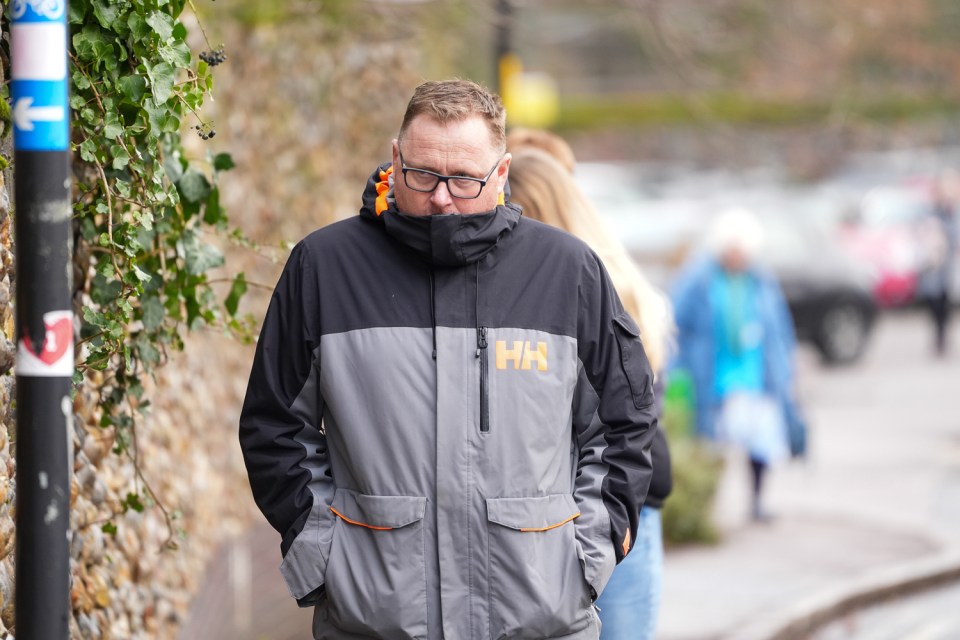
x=537, y=585
x=634, y=360
x=376, y=577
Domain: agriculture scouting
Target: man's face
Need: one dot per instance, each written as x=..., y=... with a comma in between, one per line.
x=456, y=149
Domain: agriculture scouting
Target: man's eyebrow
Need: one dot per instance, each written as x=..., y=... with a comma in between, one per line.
x=461, y=173
x=416, y=165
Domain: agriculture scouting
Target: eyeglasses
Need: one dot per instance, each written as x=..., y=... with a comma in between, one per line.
x=463, y=187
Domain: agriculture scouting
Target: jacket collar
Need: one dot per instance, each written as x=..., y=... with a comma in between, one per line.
x=444, y=240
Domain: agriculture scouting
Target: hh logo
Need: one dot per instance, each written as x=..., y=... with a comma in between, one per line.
x=522, y=356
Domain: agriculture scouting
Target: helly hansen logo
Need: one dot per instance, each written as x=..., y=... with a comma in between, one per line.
x=522, y=356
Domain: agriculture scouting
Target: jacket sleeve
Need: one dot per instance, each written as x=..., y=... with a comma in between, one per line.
x=614, y=422
x=281, y=438
x=662, y=482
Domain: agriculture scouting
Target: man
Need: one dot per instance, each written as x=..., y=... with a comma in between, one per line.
x=939, y=235
x=449, y=414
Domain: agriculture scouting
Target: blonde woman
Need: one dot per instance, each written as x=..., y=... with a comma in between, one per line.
x=547, y=192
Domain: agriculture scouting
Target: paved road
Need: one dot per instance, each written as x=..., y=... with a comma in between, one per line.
x=881, y=488
x=933, y=615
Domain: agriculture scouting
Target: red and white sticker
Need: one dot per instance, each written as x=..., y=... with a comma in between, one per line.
x=56, y=356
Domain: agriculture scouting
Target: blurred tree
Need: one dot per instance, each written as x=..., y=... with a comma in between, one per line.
x=312, y=95
x=835, y=52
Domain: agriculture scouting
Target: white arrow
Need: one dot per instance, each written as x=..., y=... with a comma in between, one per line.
x=24, y=114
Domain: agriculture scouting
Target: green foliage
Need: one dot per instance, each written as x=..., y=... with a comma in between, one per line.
x=688, y=511
x=944, y=28
x=145, y=214
x=583, y=113
x=5, y=113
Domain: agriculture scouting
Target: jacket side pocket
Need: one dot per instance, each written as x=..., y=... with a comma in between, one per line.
x=376, y=583
x=305, y=562
x=537, y=585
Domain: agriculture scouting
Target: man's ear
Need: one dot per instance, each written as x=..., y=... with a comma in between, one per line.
x=395, y=150
x=503, y=171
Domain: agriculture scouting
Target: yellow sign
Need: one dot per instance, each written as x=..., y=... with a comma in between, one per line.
x=530, y=98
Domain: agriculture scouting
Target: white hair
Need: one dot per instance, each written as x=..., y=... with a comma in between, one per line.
x=735, y=228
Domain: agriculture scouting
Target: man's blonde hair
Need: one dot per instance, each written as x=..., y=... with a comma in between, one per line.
x=547, y=192
x=456, y=100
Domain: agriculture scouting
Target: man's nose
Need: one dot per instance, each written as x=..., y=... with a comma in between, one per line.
x=441, y=196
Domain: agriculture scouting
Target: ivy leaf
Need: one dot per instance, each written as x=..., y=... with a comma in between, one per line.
x=193, y=186
x=139, y=28
x=153, y=312
x=149, y=354
x=213, y=213
x=132, y=501
x=76, y=14
x=88, y=150
x=109, y=528
x=159, y=117
x=177, y=54
x=171, y=124
x=162, y=23
x=223, y=162
x=133, y=87
x=162, y=78
x=199, y=256
x=142, y=276
x=237, y=291
x=80, y=82
x=105, y=12
x=173, y=167
x=121, y=157
x=92, y=45
x=112, y=129
x=102, y=292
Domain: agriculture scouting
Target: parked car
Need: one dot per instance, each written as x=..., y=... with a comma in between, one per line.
x=883, y=230
x=829, y=295
x=879, y=231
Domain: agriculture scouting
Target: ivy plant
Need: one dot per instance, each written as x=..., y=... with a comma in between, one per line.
x=147, y=217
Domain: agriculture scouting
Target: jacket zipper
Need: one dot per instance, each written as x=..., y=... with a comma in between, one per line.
x=484, y=389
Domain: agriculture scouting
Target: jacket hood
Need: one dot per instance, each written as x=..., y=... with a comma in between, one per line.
x=445, y=240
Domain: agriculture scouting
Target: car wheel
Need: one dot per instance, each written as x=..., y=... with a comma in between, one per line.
x=842, y=334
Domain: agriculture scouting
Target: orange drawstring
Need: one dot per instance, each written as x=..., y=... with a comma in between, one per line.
x=383, y=187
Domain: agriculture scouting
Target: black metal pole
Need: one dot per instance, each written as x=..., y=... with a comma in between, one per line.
x=504, y=39
x=44, y=317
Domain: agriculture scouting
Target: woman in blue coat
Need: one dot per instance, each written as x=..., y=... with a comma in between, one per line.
x=736, y=342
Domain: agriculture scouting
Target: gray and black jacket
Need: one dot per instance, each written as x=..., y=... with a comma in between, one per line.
x=448, y=420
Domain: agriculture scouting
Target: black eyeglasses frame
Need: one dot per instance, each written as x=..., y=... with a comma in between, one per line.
x=444, y=179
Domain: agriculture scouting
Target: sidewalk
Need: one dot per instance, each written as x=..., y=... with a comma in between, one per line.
x=871, y=510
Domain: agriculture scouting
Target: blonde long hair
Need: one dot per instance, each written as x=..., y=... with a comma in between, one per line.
x=547, y=192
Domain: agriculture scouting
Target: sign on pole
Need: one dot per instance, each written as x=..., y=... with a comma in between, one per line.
x=41, y=138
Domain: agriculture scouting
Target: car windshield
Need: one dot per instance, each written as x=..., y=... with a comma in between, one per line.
x=891, y=206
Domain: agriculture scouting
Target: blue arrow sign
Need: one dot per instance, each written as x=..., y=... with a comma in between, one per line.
x=39, y=75
x=40, y=115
